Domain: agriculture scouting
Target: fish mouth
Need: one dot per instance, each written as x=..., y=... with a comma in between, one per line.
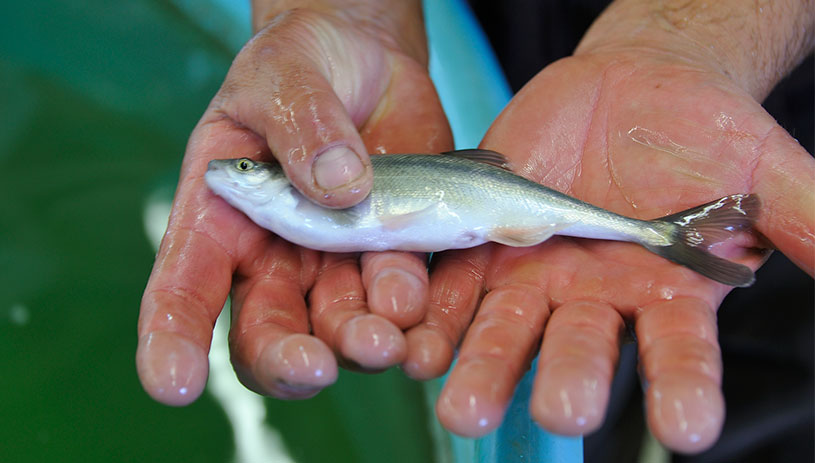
x=215, y=177
x=214, y=165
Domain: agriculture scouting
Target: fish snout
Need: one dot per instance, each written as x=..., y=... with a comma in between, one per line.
x=212, y=165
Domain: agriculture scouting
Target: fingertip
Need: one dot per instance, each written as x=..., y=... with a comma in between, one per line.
x=398, y=296
x=172, y=369
x=371, y=342
x=297, y=366
x=569, y=399
x=685, y=412
x=470, y=404
x=465, y=415
x=429, y=354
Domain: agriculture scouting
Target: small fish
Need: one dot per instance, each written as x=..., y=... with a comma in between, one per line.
x=465, y=198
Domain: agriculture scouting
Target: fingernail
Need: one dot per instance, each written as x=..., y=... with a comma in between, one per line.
x=574, y=399
x=474, y=400
x=429, y=353
x=372, y=342
x=172, y=369
x=299, y=361
x=397, y=295
x=685, y=412
x=337, y=167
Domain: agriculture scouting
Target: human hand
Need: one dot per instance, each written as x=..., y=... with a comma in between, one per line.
x=312, y=84
x=643, y=133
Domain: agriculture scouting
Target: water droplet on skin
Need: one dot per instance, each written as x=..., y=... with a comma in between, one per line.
x=655, y=140
x=725, y=122
x=581, y=421
x=304, y=357
x=679, y=408
x=690, y=158
x=666, y=293
x=566, y=402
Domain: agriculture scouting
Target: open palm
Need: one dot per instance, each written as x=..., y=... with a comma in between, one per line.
x=643, y=137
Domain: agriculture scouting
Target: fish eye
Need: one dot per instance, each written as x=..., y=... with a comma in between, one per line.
x=244, y=165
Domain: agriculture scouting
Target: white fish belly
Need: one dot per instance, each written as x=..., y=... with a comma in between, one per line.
x=426, y=227
x=429, y=239
x=299, y=221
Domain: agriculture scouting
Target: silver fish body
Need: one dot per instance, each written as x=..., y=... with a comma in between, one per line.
x=435, y=203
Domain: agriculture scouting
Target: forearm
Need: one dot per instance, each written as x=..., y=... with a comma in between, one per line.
x=399, y=21
x=754, y=43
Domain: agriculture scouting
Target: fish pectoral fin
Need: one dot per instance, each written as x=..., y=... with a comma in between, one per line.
x=400, y=221
x=524, y=236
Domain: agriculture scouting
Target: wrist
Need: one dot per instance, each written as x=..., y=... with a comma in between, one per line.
x=399, y=23
x=752, y=44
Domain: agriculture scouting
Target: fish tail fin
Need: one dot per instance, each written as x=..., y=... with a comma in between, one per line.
x=696, y=229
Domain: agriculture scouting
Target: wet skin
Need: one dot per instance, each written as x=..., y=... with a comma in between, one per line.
x=637, y=134
x=642, y=137
x=293, y=93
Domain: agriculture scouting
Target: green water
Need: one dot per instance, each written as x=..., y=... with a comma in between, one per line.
x=96, y=101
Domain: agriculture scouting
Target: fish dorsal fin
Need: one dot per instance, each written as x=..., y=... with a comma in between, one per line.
x=525, y=236
x=492, y=158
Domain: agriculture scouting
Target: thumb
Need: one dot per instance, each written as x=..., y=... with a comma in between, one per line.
x=783, y=179
x=305, y=85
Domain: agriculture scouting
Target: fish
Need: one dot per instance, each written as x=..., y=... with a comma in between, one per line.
x=461, y=199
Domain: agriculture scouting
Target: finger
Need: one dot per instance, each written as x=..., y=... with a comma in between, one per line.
x=178, y=312
x=783, y=179
x=576, y=366
x=192, y=273
x=494, y=355
x=396, y=285
x=306, y=86
x=271, y=349
x=681, y=367
x=456, y=286
x=411, y=101
x=340, y=317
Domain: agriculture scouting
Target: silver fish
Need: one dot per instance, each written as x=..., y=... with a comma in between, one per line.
x=464, y=198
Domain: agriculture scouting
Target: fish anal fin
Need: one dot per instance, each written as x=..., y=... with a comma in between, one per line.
x=492, y=158
x=524, y=236
x=400, y=221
